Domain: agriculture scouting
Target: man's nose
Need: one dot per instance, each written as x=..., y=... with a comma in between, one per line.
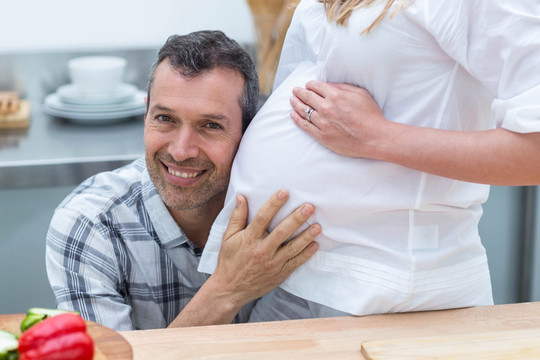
x=185, y=144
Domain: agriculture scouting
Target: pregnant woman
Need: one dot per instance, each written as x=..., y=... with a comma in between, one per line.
x=393, y=118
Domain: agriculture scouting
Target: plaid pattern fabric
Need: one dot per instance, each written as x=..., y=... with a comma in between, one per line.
x=115, y=254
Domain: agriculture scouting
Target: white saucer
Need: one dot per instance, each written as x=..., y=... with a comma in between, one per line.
x=94, y=114
x=70, y=94
x=134, y=101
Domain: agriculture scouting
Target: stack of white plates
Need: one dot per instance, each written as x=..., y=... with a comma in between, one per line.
x=67, y=102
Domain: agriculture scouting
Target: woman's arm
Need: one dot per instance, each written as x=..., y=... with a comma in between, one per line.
x=348, y=121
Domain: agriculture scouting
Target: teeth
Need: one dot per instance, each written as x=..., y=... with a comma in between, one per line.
x=183, y=175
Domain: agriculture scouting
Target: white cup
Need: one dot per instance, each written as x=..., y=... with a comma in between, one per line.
x=97, y=75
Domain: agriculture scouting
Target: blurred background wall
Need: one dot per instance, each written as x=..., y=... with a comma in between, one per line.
x=77, y=24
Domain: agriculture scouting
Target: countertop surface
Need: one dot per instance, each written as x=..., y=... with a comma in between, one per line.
x=489, y=332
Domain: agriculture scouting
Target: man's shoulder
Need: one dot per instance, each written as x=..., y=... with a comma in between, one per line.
x=103, y=192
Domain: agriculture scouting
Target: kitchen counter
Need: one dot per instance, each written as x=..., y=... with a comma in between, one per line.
x=55, y=151
x=490, y=331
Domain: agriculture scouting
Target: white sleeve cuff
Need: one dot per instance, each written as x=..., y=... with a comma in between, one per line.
x=519, y=114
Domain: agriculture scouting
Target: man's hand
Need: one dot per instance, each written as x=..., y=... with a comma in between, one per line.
x=253, y=262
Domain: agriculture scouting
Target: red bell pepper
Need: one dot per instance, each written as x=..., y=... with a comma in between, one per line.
x=61, y=337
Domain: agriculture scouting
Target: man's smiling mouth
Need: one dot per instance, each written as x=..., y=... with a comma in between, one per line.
x=184, y=175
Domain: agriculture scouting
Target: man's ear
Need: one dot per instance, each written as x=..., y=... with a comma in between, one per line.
x=146, y=103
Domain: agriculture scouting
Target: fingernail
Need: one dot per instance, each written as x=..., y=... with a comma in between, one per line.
x=281, y=195
x=307, y=210
x=315, y=230
x=237, y=201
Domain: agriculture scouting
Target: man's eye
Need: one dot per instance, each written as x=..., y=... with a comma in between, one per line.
x=214, y=126
x=164, y=118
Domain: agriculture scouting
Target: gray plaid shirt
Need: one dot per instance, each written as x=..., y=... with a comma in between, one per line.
x=115, y=254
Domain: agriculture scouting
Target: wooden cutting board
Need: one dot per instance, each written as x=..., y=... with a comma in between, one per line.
x=108, y=344
x=510, y=344
x=17, y=120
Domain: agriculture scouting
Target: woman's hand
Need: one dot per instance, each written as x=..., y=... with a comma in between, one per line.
x=345, y=118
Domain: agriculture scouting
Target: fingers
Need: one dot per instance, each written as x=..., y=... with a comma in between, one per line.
x=266, y=213
x=320, y=88
x=289, y=225
x=310, y=97
x=297, y=250
x=295, y=262
x=315, y=91
x=299, y=113
x=299, y=116
x=238, y=219
x=300, y=249
x=347, y=87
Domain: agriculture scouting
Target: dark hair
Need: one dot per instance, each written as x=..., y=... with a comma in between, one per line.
x=200, y=51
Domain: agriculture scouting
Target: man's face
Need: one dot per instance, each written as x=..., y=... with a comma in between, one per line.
x=192, y=131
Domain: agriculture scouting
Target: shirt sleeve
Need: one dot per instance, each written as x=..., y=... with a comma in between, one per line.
x=82, y=274
x=303, y=39
x=498, y=43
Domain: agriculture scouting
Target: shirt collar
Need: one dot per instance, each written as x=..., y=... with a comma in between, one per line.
x=168, y=231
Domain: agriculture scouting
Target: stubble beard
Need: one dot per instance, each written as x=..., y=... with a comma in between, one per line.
x=209, y=192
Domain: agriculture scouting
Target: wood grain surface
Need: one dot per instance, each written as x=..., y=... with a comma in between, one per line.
x=327, y=338
x=108, y=344
x=510, y=344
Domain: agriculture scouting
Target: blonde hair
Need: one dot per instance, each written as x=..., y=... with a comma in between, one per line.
x=339, y=11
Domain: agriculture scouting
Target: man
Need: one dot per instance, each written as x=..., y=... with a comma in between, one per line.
x=124, y=247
